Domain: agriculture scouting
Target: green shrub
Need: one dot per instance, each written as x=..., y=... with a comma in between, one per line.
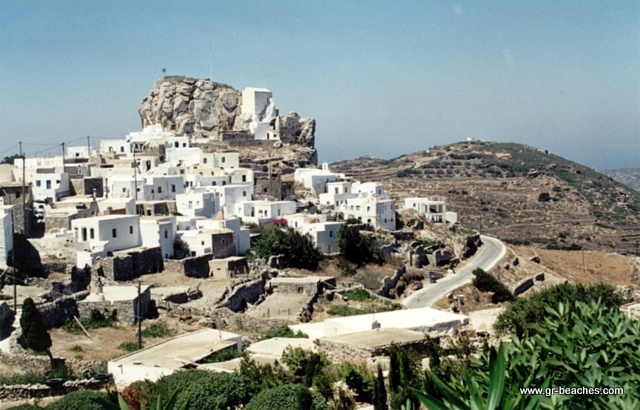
x=157, y=330
x=357, y=295
x=25, y=407
x=486, y=282
x=288, y=397
x=29, y=377
x=360, y=380
x=128, y=346
x=299, y=250
x=85, y=400
x=96, y=320
x=284, y=331
x=356, y=247
x=525, y=315
x=207, y=390
x=223, y=356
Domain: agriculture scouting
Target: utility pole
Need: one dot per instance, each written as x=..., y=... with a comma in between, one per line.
x=24, y=200
x=139, y=319
x=88, y=147
x=15, y=270
x=63, y=157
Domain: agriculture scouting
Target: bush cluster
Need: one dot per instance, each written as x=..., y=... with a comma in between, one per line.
x=298, y=250
x=486, y=282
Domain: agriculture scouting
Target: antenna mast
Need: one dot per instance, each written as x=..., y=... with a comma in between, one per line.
x=210, y=62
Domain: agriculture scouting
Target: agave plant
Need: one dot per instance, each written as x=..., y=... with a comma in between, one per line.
x=475, y=395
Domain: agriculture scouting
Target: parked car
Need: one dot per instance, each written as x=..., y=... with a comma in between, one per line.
x=417, y=285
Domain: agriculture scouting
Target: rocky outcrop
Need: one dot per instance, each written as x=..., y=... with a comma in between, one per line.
x=191, y=106
x=203, y=108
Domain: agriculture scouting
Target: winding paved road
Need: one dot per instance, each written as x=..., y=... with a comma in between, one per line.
x=491, y=251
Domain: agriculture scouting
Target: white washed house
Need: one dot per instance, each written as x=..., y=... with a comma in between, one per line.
x=323, y=233
x=433, y=208
x=198, y=203
x=379, y=213
x=159, y=231
x=261, y=212
x=97, y=236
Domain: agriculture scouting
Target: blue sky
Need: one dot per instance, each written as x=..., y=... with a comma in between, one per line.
x=381, y=78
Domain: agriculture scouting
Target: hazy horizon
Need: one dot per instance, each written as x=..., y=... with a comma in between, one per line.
x=381, y=79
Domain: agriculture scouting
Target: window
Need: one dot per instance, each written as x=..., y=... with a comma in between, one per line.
x=244, y=178
x=222, y=160
x=166, y=234
x=84, y=234
x=173, y=187
x=244, y=193
x=48, y=184
x=121, y=149
x=204, y=160
x=330, y=234
x=159, y=189
x=176, y=144
x=92, y=233
x=131, y=229
x=184, y=145
x=38, y=183
x=114, y=233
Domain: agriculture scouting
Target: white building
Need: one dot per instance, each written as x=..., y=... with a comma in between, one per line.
x=258, y=106
x=232, y=194
x=116, y=146
x=379, y=213
x=96, y=237
x=6, y=233
x=163, y=187
x=54, y=185
x=223, y=160
x=323, y=233
x=241, y=234
x=433, y=208
x=159, y=232
x=316, y=179
x=125, y=186
x=261, y=212
x=198, y=203
x=83, y=151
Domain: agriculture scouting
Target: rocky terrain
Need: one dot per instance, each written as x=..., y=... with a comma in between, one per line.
x=628, y=176
x=212, y=113
x=517, y=193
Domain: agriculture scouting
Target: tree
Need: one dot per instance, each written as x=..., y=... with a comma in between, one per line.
x=298, y=250
x=306, y=366
x=404, y=371
x=34, y=332
x=379, y=392
x=356, y=247
x=486, y=282
x=9, y=159
x=288, y=397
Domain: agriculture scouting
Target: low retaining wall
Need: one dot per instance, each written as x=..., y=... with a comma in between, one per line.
x=195, y=267
x=32, y=391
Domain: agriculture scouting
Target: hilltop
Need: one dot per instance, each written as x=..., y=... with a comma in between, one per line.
x=515, y=192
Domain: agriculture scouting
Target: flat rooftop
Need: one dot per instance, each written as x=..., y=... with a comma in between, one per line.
x=421, y=320
x=120, y=293
x=180, y=350
x=377, y=337
x=275, y=347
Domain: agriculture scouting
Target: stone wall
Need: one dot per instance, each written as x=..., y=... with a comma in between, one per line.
x=390, y=282
x=128, y=265
x=32, y=391
x=127, y=310
x=240, y=296
x=345, y=352
x=223, y=244
x=194, y=267
x=58, y=312
x=86, y=185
